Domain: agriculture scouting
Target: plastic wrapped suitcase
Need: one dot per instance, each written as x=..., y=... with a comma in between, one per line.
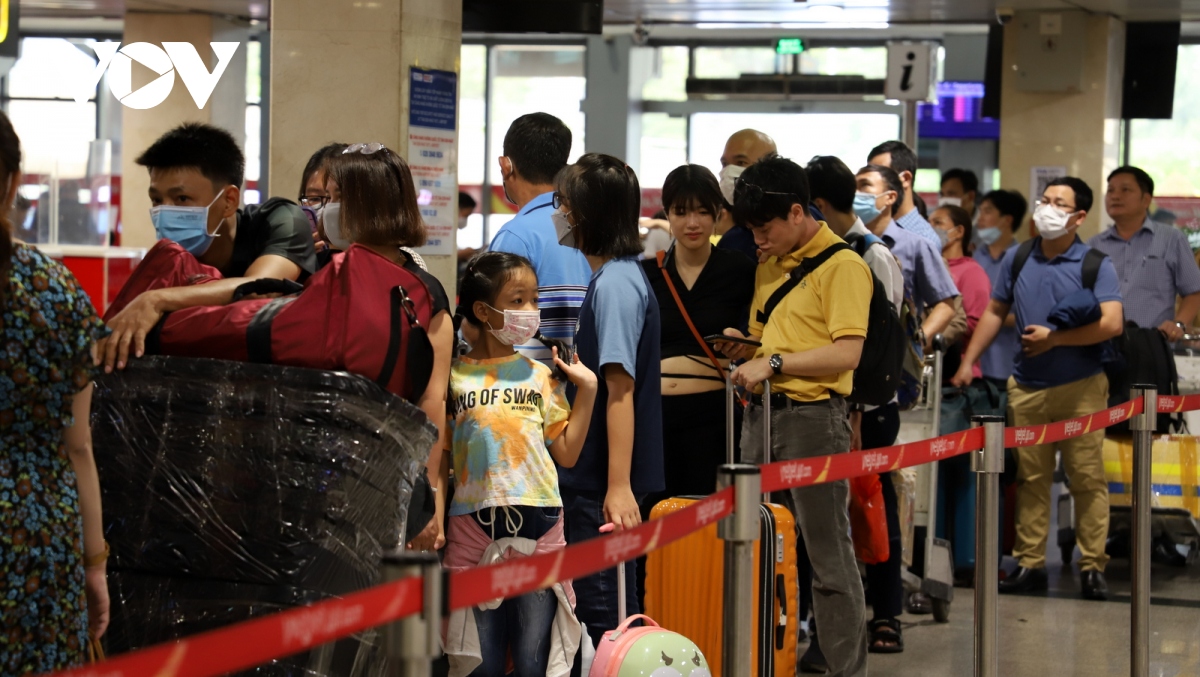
x=685, y=580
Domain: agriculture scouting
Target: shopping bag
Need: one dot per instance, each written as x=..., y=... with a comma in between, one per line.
x=868, y=521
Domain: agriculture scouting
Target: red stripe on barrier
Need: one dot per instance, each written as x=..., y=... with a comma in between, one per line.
x=1028, y=436
x=517, y=577
x=1174, y=404
x=254, y=642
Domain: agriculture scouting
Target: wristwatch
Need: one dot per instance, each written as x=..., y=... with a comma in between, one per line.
x=776, y=363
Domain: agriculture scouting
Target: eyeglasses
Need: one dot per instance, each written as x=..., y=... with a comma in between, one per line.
x=754, y=194
x=557, y=200
x=1045, y=202
x=364, y=148
x=314, y=201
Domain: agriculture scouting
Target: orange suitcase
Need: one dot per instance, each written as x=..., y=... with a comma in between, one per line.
x=685, y=581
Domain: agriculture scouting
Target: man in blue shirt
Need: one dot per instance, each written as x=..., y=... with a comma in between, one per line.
x=901, y=159
x=1000, y=214
x=535, y=149
x=1057, y=376
x=1153, y=260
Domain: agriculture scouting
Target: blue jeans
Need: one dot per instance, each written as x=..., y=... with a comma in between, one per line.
x=596, y=595
x=523, y=623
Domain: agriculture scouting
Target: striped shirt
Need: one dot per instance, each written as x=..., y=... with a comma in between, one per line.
x=913, y=222
x=563, y=272
x=1154, y=266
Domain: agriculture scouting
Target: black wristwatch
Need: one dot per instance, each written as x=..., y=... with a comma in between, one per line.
x=776, y=363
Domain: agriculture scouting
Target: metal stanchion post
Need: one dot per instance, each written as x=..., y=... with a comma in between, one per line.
x=987, y=464
x=739, y=532
x=413, y=643
x=1142, y=426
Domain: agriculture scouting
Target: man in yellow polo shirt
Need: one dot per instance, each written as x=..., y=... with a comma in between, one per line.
x=812, y=339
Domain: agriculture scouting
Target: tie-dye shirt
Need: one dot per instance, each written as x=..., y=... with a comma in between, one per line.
x=503, y=415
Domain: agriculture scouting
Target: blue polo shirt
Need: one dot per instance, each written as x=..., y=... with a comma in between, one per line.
x=563, y=272
x=927, y=280
x=997, y=361
x=1041, y=285
x=619, y=324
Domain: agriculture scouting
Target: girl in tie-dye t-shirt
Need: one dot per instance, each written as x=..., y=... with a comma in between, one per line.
x=509, y=423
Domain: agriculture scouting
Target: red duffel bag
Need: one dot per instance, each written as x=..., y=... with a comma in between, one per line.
x=165, y=265
x=361, y=313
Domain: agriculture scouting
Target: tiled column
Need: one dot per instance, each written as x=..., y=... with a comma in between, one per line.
x=340, y=72
x=226, y=107
x=1076, y=129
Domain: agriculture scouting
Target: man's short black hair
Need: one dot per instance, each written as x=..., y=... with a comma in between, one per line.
x=903, y=157
x=890, y=177
x=966, y=178
x=767, y=190
x=538, y=145
x=1083, y=192
x=1008, y=203
x=211, y=150
x=465, y=200
x=831, y=180
x=1143, y=179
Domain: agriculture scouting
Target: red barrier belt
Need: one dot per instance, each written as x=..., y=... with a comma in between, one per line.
x=245, y=645
x=1174, y=404
x=1028, y=436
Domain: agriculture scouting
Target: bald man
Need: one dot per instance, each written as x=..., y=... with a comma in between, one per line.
x=742, y=149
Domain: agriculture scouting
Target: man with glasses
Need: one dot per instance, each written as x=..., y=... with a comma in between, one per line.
x=196, y=173
x=1153, y=260
x=536, y=147
x=1057, y=375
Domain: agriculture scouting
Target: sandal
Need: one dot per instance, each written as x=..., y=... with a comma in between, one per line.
x=885, y=636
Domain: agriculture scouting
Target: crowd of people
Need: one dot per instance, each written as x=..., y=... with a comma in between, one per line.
x=572, y=383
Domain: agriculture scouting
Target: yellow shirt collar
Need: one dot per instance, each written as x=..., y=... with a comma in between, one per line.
x=814, y=246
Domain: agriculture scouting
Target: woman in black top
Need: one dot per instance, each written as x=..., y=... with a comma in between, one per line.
x=715, y=287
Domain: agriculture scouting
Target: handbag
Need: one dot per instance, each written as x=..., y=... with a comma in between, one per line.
x=868, y=520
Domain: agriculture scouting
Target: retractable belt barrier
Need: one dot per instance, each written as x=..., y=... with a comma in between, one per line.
x=254, y=642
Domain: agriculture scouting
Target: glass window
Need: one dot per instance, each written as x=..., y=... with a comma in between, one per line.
x=798, y=136
x=252, y=192
x=869, y=62
x=664, y=147
x=1155, y=144
x=731, y=62
x=533, y=78
x=668, y=73
x=471, y=122
x=254, y=72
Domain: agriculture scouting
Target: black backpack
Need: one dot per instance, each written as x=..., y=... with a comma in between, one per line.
x=1140, y=355
x=879, y=369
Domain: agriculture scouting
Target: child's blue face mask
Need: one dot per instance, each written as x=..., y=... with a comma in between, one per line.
x=186, y=226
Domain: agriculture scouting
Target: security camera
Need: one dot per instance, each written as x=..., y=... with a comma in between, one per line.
x=641, y=35
x=1004, y=15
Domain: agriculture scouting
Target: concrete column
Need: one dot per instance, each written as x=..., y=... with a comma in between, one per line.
x=340, y=72
x=615, y=75
x=226, y=107
x=1076, y=127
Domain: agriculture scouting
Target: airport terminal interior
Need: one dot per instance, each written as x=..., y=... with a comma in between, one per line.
x=233, y=491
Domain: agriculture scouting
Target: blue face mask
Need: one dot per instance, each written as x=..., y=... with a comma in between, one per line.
x=864, y=206
x=185, y=226
x=989, y=236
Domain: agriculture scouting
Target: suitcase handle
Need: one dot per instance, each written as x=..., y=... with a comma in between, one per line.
x=781, y=595
x=766, y=426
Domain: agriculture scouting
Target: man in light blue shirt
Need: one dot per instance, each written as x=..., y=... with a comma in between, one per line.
x=1000, y=213
x=536, y=147
x=1154, y=262
x=901, y=159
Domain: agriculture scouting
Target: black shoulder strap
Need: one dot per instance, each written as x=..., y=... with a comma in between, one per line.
x=401, y=303
x=258, y=333
x=1023, y=254
x=858, y=243
x=1091, y=267
x=806, y=266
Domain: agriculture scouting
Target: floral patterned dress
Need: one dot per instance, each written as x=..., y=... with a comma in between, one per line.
x=47, y=327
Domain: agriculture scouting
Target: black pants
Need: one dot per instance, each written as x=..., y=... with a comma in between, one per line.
x=885, y=591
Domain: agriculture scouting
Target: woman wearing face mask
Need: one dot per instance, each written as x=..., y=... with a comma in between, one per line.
x=372, y=203
x=510, y=423
x=953, y=228
x=700, y=291
x=313, y=194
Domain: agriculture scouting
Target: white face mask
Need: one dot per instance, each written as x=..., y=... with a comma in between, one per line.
x=563, y=229
x=462, y=222
x=950, y=201
x=1051, y=221
x=519, y=326
x=729, y=177
x=331, y=216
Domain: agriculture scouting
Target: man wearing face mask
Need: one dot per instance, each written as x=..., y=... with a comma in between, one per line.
x=196, y=173
x=901, y=159
x=1000, y=212
x=1058, y=375
x=959, y=189
x=536, y=147
x=742, y=149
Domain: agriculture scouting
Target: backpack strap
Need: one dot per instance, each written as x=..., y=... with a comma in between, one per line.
x=861, y=243
x=1091, y=267
x=661, y=258
x=400, y=303
x=258, y=333
x=1022, y=255
x=806, y=266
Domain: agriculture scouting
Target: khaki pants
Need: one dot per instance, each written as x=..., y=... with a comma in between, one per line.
x=1083, y=459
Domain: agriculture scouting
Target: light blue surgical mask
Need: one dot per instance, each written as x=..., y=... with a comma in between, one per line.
x=988, y=236
x=185, y=226
x=864, y=206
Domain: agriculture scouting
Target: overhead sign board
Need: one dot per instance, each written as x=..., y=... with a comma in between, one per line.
x=910, y=71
